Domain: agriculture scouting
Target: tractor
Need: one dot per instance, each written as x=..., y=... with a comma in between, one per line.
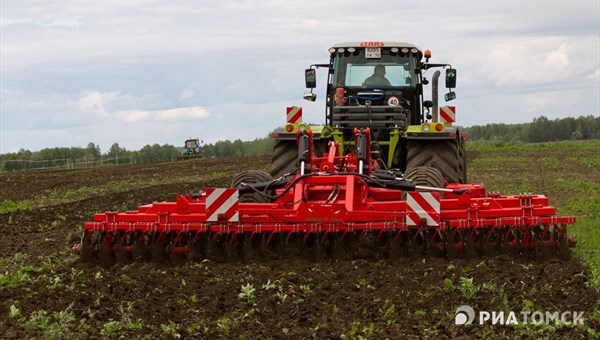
x=381, y=85
x=191, y=149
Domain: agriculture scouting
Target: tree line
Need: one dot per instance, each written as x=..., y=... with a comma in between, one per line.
x=541, y=129
x=91, y=156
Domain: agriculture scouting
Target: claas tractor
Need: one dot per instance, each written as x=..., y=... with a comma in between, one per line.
x=385, y=176
x=381, y=85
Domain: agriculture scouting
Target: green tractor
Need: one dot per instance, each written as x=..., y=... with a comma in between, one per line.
x=380, y=86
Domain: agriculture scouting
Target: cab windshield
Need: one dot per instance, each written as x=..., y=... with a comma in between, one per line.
x=353, y=69
x=190, y=144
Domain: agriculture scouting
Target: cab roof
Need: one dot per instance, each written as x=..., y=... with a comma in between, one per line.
x=375, y=44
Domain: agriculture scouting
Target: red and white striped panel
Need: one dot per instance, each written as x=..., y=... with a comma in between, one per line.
x=448, y=114
x=222, y=205
x=294, y=114
x=423, y=207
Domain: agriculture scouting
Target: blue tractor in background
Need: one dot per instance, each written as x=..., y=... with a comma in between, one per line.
x=191, y=149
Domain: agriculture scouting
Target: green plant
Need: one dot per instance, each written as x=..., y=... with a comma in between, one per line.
x=126, y=322
x=15, y=277
x=247, y=294
x=14, y=312
x=126, y=279
x=224, y=324
x=527, y=305
x=387, y=310
x=55, y=325
x=363, y=283
x=281, y=296
x=269, y=285
x=468, y=288
x=170, y=329
x=8, y=206
x=305, y=289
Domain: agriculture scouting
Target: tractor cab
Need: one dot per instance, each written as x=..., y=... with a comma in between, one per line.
x=372, y=84
x=374, y=74
x=381, y=79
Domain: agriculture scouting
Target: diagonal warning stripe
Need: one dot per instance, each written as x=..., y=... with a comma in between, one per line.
x=423, y=205
x=223, y=203
x=448, y=114
x=294, y=114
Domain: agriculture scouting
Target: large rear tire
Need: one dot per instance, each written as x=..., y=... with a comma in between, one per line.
x=448, y=156
x=249, y=177
x=425, y=176
x=285, y=156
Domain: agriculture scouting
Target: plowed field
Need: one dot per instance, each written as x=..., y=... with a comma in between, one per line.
x=45, y=291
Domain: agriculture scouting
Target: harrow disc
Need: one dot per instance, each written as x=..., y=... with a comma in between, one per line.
x=538, y=242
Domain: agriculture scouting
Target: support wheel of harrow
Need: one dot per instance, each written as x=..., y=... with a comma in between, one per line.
x=250, y=177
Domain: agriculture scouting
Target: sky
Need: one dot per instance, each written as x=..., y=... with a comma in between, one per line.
x=144, y=72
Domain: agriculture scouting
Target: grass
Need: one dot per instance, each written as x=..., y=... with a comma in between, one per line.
x=568, y=173
x=485, y=146
x=8, y=206
x=571, y=176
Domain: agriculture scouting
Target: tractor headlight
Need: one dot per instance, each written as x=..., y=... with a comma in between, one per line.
x=426, y=127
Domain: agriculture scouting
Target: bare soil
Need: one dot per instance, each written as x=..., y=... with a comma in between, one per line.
x=293, y=297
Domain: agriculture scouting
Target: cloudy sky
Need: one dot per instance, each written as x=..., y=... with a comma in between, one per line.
x=143, y=72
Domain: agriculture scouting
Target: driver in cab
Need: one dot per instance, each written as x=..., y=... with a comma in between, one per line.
x=378, y=77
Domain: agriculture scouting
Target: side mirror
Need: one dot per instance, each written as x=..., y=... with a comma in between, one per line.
x=450, y=96
x=310, y=96
x=310, y=76
x=451, y=78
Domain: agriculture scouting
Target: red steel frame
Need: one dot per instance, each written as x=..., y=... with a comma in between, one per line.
x=303, y=209
x=326, y=201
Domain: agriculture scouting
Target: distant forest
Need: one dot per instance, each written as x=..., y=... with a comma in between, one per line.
x=540, y=130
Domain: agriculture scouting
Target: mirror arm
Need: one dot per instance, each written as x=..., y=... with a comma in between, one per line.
x=428, y=66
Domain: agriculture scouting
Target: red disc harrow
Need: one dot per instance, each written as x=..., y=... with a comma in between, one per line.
x=334, y=205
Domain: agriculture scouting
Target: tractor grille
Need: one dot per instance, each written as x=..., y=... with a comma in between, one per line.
x=379, y=117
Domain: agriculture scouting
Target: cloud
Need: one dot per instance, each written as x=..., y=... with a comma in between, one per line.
x=137, y=72
x=72, y=22
x=181, y=113
x=94, y=102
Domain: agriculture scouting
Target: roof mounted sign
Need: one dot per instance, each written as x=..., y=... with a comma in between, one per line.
x=372, y=44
